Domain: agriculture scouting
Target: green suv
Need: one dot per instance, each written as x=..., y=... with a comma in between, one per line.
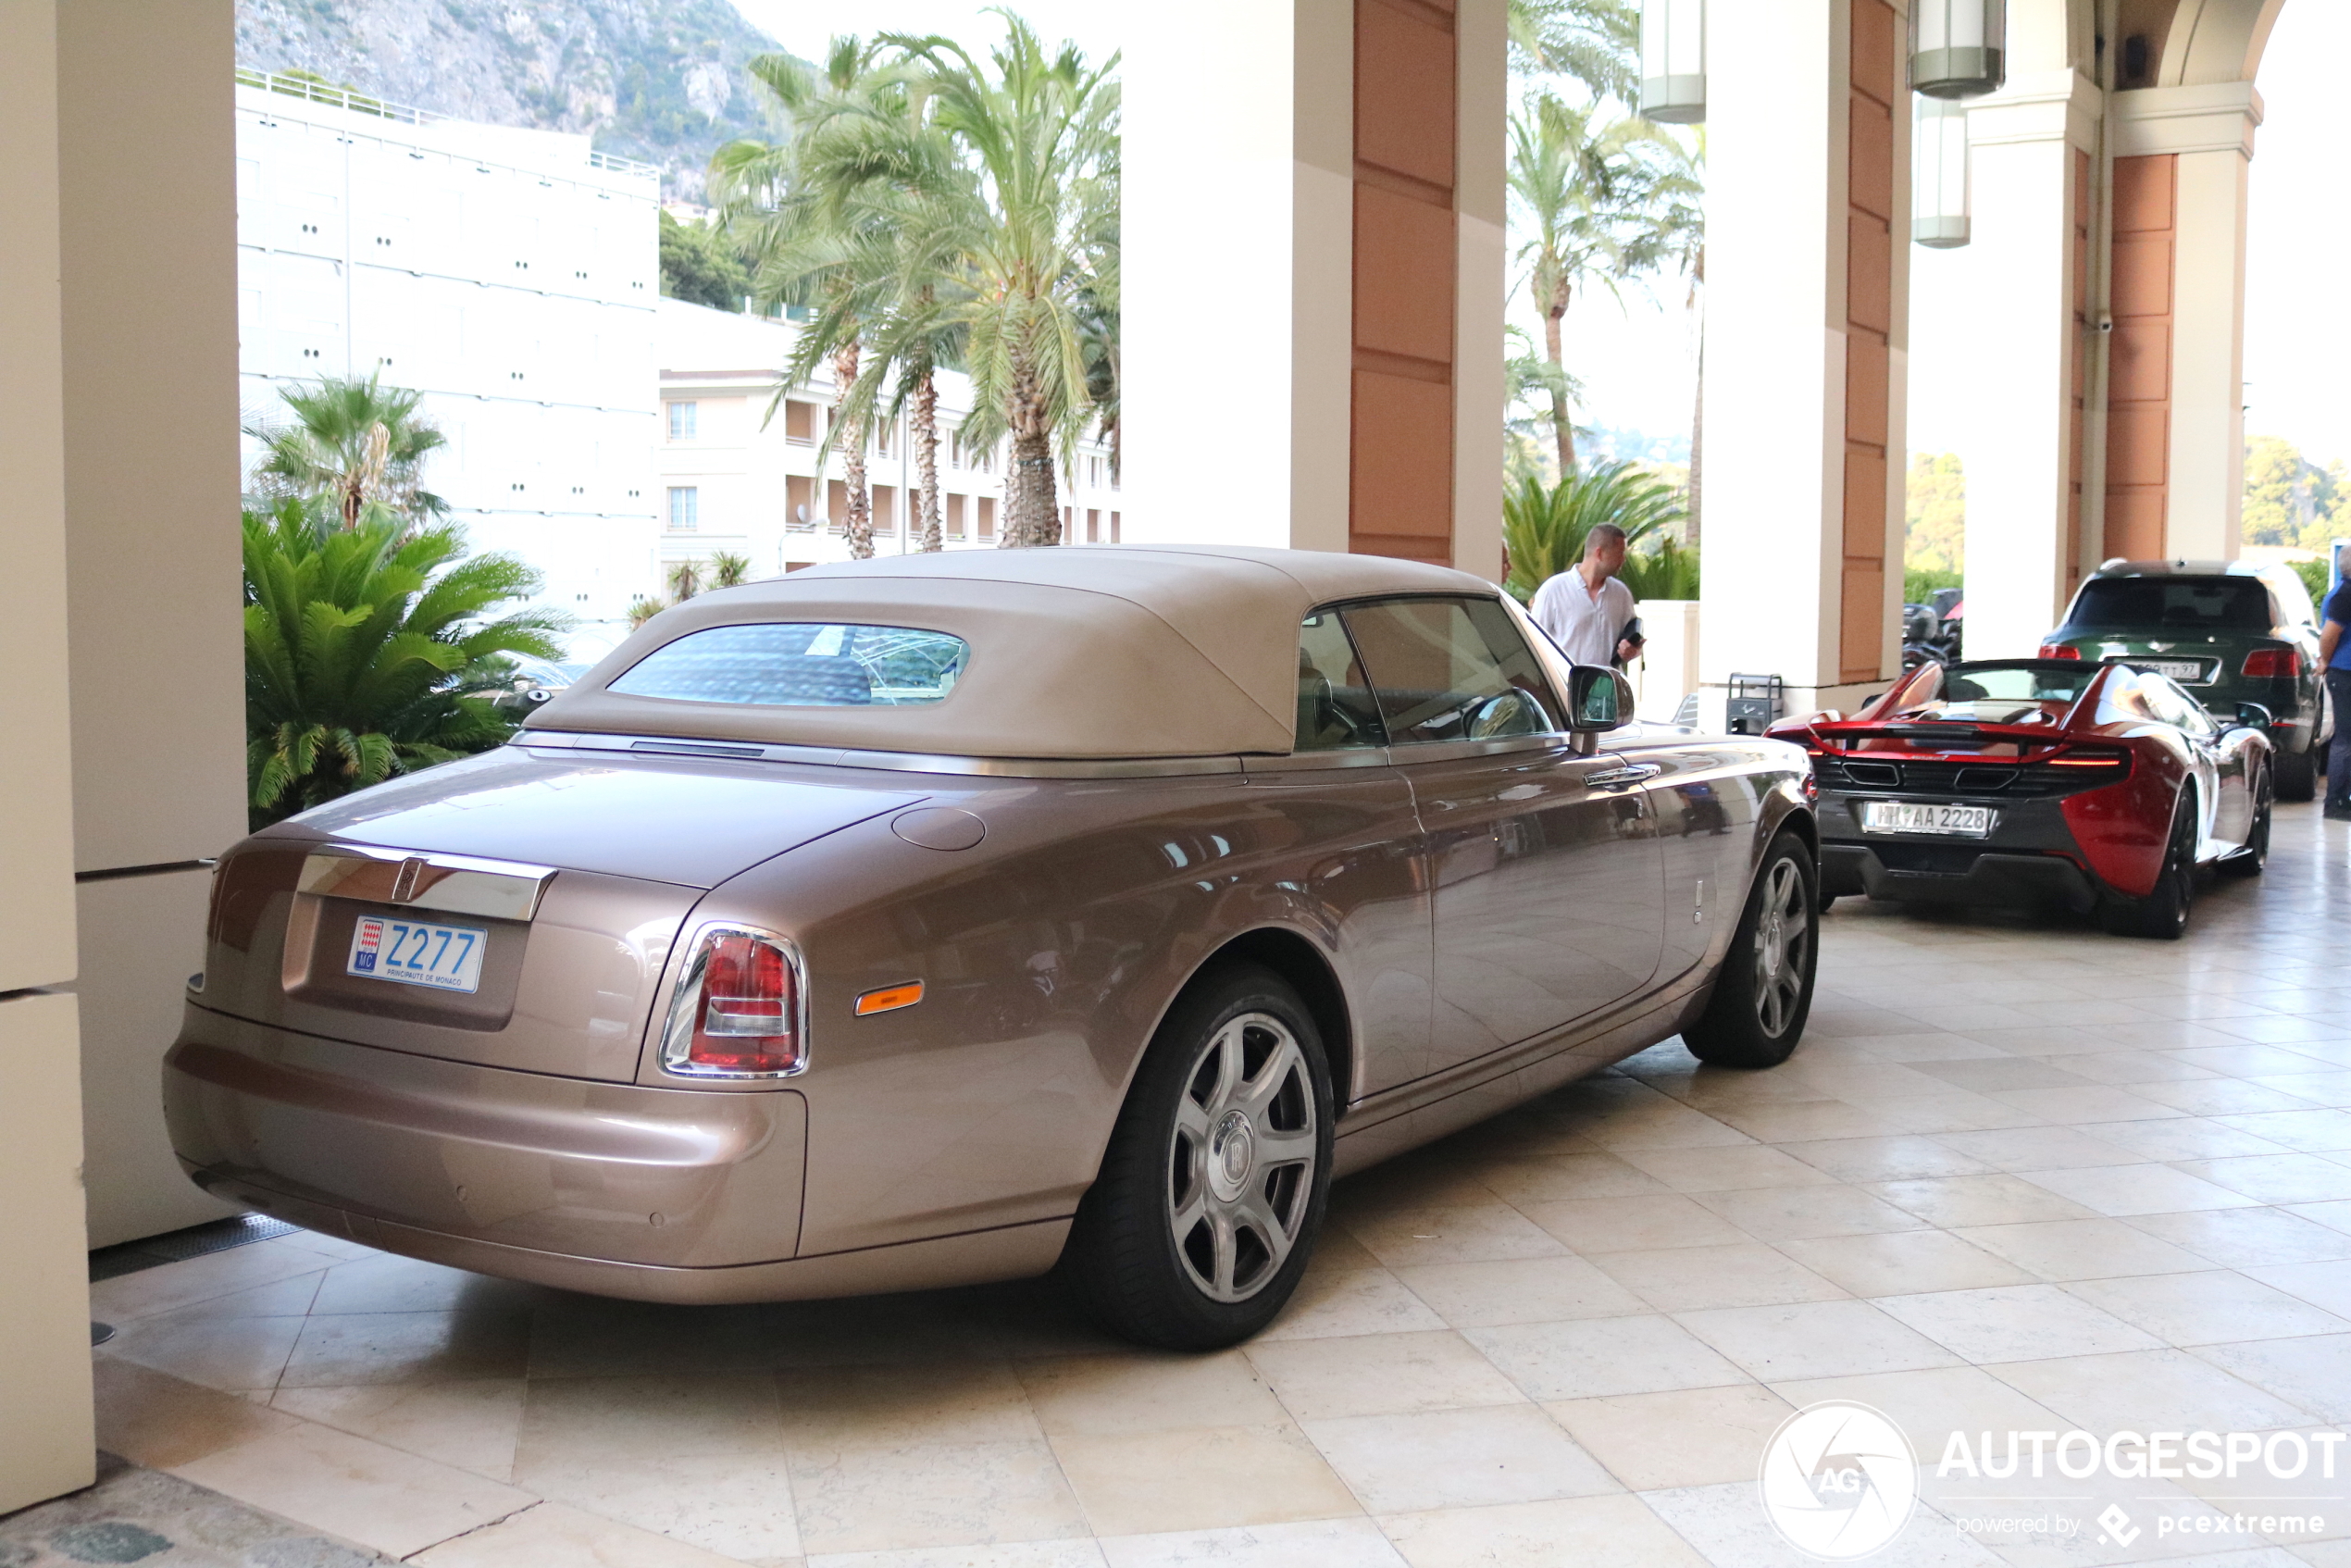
x=2228, y=631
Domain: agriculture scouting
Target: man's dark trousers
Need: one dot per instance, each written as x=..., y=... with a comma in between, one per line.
x=2339, y=756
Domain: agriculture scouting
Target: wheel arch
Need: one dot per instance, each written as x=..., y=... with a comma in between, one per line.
x=1296, y=958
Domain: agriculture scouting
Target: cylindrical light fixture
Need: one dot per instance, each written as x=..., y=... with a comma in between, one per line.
x=1939, y=217
x=1673, y=61
x=1959, y=48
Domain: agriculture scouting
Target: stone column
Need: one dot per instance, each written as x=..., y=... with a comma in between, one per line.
x=1312, y=305
x=1808, y=283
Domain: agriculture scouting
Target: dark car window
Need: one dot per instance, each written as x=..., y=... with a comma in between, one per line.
x=1998, y=695
x=1336, y=709
x=2191, y=603
x=1450, y=669
x=800, y=665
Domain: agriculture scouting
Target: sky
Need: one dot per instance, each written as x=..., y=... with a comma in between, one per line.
x=1637, y=355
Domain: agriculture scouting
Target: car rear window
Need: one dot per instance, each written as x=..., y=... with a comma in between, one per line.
x=2198, y=603
x=2004, y=695
x=800, y=665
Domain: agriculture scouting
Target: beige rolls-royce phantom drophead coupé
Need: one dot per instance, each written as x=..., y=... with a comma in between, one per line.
x=947, y=918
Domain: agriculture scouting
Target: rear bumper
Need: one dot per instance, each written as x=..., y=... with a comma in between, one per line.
x=1994, y=876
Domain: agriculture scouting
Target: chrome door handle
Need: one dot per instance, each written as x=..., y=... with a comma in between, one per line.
x=1620, y=777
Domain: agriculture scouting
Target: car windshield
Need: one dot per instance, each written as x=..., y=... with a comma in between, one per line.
x=801, y=664
x=2194, y=604
x=1996, y=694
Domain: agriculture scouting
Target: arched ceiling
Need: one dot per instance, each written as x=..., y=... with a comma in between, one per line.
x=2194, y=43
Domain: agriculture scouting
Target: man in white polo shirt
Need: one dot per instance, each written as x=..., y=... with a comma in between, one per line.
x=1584, y=608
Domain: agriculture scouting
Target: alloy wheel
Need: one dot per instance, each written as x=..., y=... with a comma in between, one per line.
x=1781, y=937
x=1241, y=1157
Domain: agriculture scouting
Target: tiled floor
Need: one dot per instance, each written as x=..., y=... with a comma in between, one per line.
x=2021, y=1176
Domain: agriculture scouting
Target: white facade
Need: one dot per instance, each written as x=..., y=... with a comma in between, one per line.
x=510, y=274
x=733, y=480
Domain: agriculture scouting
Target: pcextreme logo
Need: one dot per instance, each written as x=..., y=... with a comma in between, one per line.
x=1839, y=1480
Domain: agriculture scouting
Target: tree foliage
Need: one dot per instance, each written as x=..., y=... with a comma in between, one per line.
x=368, y=650
x=1544, y=526
x=1935, y=529
x=2291, y=501
x=700, y=265
x=359, y=446
x=1594, y=42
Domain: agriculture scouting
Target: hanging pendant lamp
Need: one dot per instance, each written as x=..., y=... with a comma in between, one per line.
x=1959, y=48
x=1673, y=61
x=1939, y=213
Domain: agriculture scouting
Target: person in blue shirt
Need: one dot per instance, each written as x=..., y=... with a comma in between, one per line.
x=2334, y=655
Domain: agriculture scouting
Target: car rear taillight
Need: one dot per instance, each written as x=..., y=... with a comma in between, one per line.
x=2058, y=651
x=2273, y=664
x=740, y=1011
x=2089, y=768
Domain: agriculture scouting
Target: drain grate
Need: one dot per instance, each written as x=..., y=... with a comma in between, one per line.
x=178, y=1245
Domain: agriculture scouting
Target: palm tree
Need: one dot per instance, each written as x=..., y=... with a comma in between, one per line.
x=1594, y=41
x=368, y=650
x=1544, y=526
x=358, y=443
x=728, y=569
x=1025, y=214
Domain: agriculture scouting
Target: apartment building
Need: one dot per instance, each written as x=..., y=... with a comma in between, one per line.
x=510, y=274
x=733, y=479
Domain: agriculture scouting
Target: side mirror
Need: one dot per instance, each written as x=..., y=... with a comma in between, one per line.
x=2253, y=716
x=1598, y=699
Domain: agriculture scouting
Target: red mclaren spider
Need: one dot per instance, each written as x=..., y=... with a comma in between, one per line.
x=2102, y=788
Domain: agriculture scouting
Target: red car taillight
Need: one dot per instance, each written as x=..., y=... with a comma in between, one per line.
x=2273, y=664
x=2058, y=651
x=2092, y=768
x=738, y=1012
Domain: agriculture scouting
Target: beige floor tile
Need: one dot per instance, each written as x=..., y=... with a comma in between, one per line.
x=2003, y=1073
x=1745, y=1275
x=574, y=1421
x=366, y=1492
x=1724, y=1522
x=1930, y=1046
x=879, y=1500
x=2314, y=1132
x=2038, y=1149
x=737, y=1505
x=1365, y=1300
x=1566, y=1177
x=554, y=1536
x=418, y=1347
x=2326, y=1286
x=1929, y=1406
x=1401, y=1238
x=2207, y=1309
x=1977, y=1199
x=2067, y=1250
x=382, y=1282
x=594, y=1337
x=1664, y=1124
x=2220, y=1097
x=825, y=1410
x=1954, y=1111
x=1726, y=1170
x=335, y=1247
x=1329, y=1543
x=284, y=1298
x=1811, y=1121
x=149, y=1291
x=154, y=1418
x=2140, y=1389
x=1687, y=1437
x=2312, y=1373
x=1201, y=1479
x=2335, y=1216
x=1519, y=1291
x=2096, y=1102
x=1802, y=1214
x=1620, y=1225
x=1434, y=1177
x=2181, y=1138
x=1813, y=1339
x=1379, y=1374
x=2120, y=1192
x=1902, y=1263
x=1885, y=1159
x=1457, y=1459
x=2247, y=1060
x=2249, y=1237
x=2127, y=1068
x=2277, y=1178
x=472, y=1425
x=229, y=1353
x=1605, y=1532
x=1144, y=1392
x=1599, y=1357
x=2016, y=1323
x=1006, y=1554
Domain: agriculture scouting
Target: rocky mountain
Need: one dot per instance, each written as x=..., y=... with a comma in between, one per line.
x=660, y=81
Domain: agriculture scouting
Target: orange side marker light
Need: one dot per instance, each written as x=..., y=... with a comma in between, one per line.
x=890, y=999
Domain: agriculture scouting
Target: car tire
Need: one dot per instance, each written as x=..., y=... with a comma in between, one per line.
x=2164, y=913
x=1764, y=992
x=2254, y=857
x=1190, y=1237
x=2298, y=776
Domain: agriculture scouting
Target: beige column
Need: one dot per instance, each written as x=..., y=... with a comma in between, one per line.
x=2193, y=147
x=45, y=1440
x=1312, y=296
x=1808, y=274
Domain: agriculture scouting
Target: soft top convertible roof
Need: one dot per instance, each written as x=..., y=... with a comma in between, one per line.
x=1084, y=653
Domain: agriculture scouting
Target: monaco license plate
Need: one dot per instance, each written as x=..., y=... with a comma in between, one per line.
x=447, y=958
x=1913, y=817
x=2189, y=671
